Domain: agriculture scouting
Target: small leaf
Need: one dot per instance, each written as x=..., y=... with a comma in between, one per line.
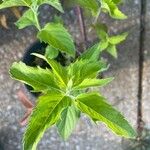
x=54, y=3
x=112, y=9
x=118, y=14
x=46, y=113
x=92, y=5
x=104, y=44
x=12, y=3
x=87, y=83
x=118, y=38
x=112, y=50
x=117, y=1
x=40, y=79
x=51, y=52
x=79, y=70
x=102, y=31
x=27, y=19
x=68, y=121
x=97, y=108
x=57, y=36
x=92, y=53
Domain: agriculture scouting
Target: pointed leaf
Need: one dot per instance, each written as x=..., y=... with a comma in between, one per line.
x=101, y=30
x=112, y=9
x=27, y=19
x=57, y=36
x=112, y=50
x=54, y=3
x=12, y=3
x=118, y=38
x=87, y=83
x=79, y=70
x=92, y=5
x=46, y=113
x=92, y=54
x=96, y=107
x=60, y=72
x=51, y=52
x=68, y=121
x=40, y=79
x=104, y=44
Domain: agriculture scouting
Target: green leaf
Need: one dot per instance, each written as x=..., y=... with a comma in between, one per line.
x=118, y=38
x=92, y=5
x=96, y=107
x=118, y=14
x=12, y=3
x=111, y=7
x=57, y=36
x=87, y=83
x=104, y=44
x=54, y=3
x=51, y=52
x=45, y=114
x=112, y=50
x=101, y=30
x=59, y=71
x=40, y=79
x=68, y=121
x=79, y=71
x=27, y=19
x=92, y=53
x=117, y=1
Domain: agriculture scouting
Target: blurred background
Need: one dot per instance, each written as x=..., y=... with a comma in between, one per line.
x=129, y=92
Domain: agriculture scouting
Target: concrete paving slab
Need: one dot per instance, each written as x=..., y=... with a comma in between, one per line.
x=122, y=93
x=146, y=71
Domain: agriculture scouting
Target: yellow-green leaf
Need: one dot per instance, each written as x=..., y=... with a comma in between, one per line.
x=68, y=121
x=45, y=114
x=96, y=107
x=57, y=36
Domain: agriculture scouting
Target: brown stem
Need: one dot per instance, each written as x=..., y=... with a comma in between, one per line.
x=27, y=104
x=82, y=27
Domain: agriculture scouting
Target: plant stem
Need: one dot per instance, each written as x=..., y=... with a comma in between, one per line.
x=38, y=24
x=37, y=20
x=35, y=11
x=97, y=16
x=82, y=26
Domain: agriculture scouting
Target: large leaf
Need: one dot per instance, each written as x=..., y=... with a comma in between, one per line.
x=59, y=71
x=92, y=5
x=68, y=121
x=57, y=36
x=87, y=83
x=97, y=108
x=54, y=3
x=40, y=79
x=46, y=113
x=11, y=3
x=27, y=19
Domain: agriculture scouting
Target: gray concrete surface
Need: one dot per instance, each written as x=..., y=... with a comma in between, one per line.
x=122, y=92
x=146, y=81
